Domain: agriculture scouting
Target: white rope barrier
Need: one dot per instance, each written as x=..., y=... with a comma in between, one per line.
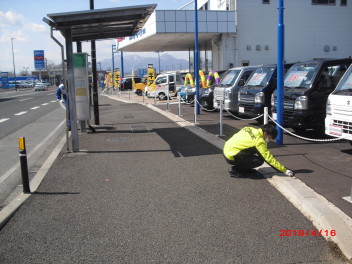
x=304, y=138
x=204, y=108
x=244, y=118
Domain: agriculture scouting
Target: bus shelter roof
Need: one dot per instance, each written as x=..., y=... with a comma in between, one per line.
x=101, y=23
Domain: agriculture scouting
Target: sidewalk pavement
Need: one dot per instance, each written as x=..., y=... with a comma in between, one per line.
x=150, y=187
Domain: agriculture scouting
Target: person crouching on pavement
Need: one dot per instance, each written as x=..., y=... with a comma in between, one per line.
x=247, y=150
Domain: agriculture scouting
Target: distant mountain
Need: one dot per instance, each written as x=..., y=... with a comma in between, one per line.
x=167, y=63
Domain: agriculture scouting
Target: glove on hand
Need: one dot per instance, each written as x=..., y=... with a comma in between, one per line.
x=289, y=173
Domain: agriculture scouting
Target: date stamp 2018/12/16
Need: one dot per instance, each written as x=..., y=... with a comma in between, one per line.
x=308, y=232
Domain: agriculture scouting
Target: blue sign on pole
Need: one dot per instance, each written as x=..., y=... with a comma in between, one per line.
x=5, y=80
x=39, y=59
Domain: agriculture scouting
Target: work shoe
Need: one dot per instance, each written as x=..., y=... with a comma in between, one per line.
x=234, y=172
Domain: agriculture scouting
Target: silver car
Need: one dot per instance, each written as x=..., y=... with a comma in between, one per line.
x=39, y=87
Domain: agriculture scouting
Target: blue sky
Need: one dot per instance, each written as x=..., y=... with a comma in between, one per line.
x=22, y=20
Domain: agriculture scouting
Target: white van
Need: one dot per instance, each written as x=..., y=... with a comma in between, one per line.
x=338, y=121
x=168, y=83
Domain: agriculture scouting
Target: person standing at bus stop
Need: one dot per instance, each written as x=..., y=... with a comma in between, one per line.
x=61, y=96
x=247, y=149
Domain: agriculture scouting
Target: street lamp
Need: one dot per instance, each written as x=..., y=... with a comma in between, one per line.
x=159, y=58
x=13, y=60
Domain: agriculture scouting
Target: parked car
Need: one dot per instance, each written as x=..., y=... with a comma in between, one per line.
x=230, y=84
x=127, y=83
x=206, y=95
x=307, y=86
x=339, y=108
x=256, y=93
x=168, y=83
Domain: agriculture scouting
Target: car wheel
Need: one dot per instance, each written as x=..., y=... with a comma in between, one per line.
x=162, y=96
x=139, y=92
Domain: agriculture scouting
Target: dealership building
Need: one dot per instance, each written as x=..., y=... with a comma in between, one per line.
x=244, y=32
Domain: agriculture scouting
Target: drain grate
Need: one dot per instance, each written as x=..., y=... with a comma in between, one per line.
x=139, y=128
x=127, y=116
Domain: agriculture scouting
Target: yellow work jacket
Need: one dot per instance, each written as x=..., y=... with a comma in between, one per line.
x=249, y=137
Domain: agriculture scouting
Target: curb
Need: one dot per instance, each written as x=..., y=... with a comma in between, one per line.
x=323, y=214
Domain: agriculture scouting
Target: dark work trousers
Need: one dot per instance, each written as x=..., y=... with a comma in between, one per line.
x=245, y=161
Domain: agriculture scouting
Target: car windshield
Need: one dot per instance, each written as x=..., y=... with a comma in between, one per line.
x=230, y=78
x=261, y=76
x=345, y=86
x=301, y=75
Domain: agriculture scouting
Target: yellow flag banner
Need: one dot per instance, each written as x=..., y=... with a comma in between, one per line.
x=151, y=74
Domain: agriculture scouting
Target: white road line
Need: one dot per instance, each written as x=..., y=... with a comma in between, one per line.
x=4, y=119
x=21, y=113
x=36, y=107
x=53, y=101
x=10, y=171
x=18, y=95
x=51, y=93
x=25, y=99
x=45, y=104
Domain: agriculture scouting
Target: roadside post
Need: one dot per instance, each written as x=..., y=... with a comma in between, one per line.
x=221, y=119
x=266, y=113
x=179, y=105
x=155, y=95
x=168, y=95
x=24, y=166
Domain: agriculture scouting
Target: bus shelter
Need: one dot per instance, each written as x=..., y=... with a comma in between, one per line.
x=91, y=25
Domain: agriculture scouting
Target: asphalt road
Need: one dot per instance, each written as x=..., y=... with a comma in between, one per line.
x=148, y=191
x=38, y=117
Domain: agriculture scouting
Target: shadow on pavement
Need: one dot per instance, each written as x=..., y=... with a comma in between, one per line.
x=185, y=147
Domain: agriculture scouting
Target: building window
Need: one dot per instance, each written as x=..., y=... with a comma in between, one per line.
x=323, y=2
x=344, y=2
x=266, y=1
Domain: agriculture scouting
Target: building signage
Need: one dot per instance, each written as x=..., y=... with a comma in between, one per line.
x=5, y=80
x=80, y=70
x=138, y=34
x=39, y=59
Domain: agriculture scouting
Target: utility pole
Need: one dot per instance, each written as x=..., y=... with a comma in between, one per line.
x=280, y=70
x=13, y=60
x=95, y=82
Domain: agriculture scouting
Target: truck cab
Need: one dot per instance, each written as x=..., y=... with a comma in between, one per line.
x=338, y=120
x=307, y=86
x=227, y=90
x=256, y=93
x=166, y=84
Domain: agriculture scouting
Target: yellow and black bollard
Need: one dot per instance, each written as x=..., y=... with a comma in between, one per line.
x=24, y=166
